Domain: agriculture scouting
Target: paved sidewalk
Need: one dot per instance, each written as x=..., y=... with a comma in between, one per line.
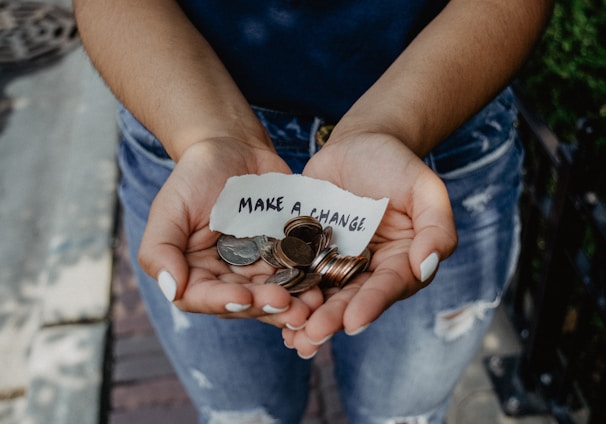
x=57, y=192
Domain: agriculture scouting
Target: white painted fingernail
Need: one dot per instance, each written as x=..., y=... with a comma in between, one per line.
x=429, y=266
x=236, y=307
x=321, y=342
x=288, y=346
x=167, y=284
x=268, y=309
x=358, y=331
x=292, y=327
x=311, y=355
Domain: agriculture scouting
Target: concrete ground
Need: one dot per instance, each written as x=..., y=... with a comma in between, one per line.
x=57, y=191
x=57, y=216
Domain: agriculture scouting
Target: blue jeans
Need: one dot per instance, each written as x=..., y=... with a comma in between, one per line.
x=405, y=365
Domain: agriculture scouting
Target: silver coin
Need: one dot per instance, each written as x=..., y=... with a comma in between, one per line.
x=260, y=240
x=322, y=257
x=285, y=277
x=238, y=251
x=266, y=249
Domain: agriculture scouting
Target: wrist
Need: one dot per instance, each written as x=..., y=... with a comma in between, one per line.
x=224, y=140
x=223, y=147
x=407, y=131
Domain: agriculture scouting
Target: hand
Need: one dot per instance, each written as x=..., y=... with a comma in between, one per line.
x=416, y=231
x=178, y=246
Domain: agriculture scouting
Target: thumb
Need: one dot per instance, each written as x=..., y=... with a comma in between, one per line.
x=435, y=234
x=161, y=252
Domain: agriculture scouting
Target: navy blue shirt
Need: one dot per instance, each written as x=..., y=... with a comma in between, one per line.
x=309, y=57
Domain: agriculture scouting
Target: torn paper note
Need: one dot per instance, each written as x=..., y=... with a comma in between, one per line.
x=251, y=205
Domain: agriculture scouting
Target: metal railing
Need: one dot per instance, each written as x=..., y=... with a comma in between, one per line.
x=557, y=300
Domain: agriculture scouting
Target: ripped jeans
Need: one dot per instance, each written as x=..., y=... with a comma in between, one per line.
x=405, y=365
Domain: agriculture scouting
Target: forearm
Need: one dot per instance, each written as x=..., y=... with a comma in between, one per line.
x=163, y=70
x=459, y=62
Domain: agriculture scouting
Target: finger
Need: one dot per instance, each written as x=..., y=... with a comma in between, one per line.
x=288, y=336
x=327, y=319
x=378, y=292
x=213, y=288
x=270, y=298
x=313, y=298
x=435, y=233
x=161, y=254
x=304, y=348
x=294, y=318
x=216, y=297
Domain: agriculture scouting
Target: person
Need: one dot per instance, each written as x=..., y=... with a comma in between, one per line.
x=417, y=93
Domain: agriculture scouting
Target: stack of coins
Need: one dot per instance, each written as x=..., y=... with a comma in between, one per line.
x=337, y=270
x=305, y=256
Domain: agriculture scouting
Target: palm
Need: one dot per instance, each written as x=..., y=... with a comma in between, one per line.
x=178, y=232
x=418, y=220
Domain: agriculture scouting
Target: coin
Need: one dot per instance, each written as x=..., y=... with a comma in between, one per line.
x=309, y=223
x=324, y=256
x=310, y=280
x=285, y=277
x=238, y=251
x=306, y=252
x=267, y=253
x=325, y=239
x=353, y=265
x=294, y=252
x=305, y=228
x=260, y=240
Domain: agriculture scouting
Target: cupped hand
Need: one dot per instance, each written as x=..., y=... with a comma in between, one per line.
x=179, y=249
x=416, y=232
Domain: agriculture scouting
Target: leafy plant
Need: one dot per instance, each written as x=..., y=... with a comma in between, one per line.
x=566, y=77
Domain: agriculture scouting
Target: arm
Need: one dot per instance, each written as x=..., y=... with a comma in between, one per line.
x=162, y=69
x=459, y=62
x=456, y=65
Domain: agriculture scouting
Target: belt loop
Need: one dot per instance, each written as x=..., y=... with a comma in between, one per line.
x=322, y=133
x=315, y=126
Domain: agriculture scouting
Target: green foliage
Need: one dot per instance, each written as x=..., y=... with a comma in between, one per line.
x=566, y=76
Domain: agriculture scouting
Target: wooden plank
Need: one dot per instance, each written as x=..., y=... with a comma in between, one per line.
x=147, y=393
x=182, y=414
x=137, y=345
x=141, y=368
x=133, y=324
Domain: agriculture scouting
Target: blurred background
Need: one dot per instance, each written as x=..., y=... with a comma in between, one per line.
x=57, y=208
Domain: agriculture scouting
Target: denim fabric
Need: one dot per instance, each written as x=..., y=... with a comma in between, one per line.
x=403, y=368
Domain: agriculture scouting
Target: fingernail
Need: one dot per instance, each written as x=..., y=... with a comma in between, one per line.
x=357, y=331
x=167, y=284
x=236, y=307
x=292, y=327
x=288, y=346
x=321, y=342
x=429, y=266
x=268, y=309
x=311, y=355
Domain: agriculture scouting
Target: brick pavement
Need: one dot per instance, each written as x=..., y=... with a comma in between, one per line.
x=143, y=386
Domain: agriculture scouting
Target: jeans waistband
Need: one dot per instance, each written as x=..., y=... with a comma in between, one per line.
x=297, y=138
